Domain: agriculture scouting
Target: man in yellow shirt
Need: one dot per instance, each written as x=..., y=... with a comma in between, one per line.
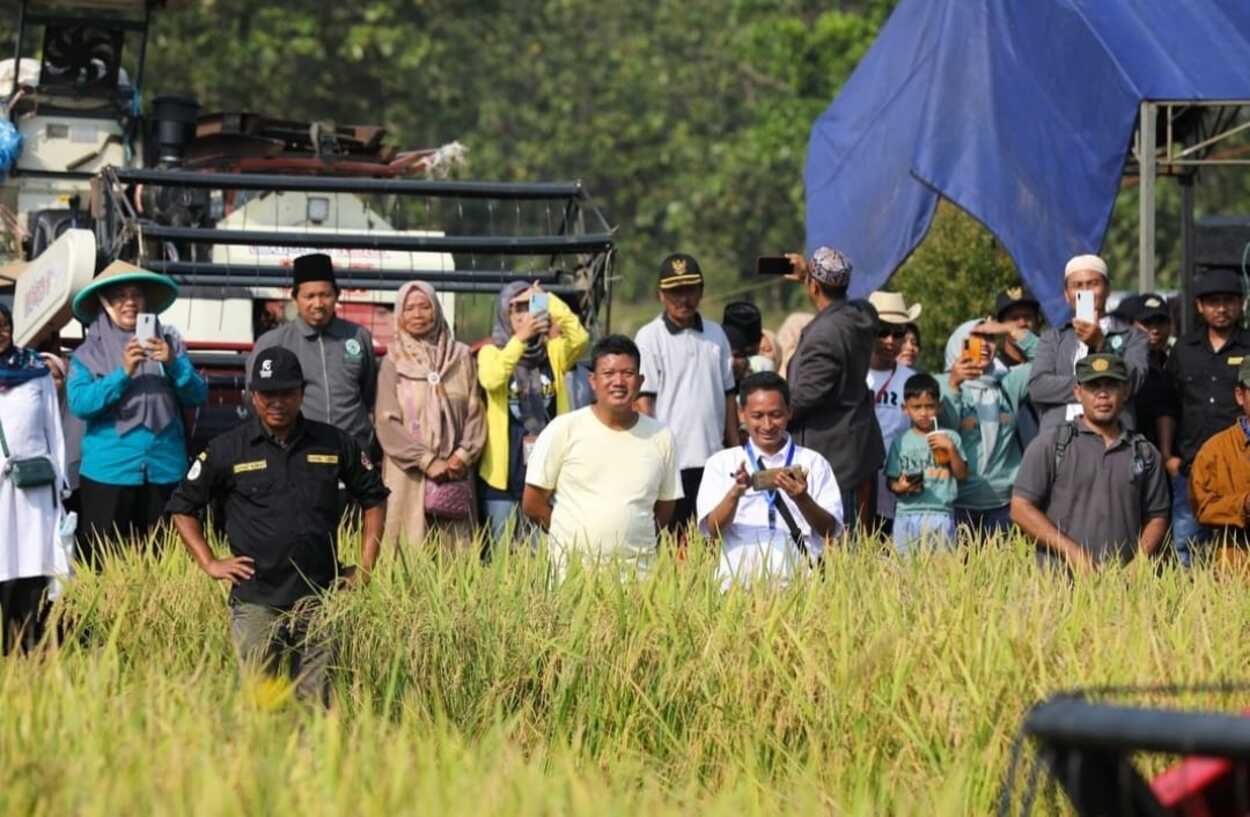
x=610, y=470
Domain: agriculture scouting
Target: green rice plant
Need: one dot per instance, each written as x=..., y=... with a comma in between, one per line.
x=877, y=685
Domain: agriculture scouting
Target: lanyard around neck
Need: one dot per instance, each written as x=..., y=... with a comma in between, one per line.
x=756, y=463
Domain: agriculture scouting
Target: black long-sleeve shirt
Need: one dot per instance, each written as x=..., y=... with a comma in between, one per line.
x=281, y=503
x=1201, y=384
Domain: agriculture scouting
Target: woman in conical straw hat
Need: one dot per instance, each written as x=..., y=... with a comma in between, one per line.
x=131, y=394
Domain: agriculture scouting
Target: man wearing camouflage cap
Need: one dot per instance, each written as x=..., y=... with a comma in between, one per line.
x=1091, y=491
x=831, y=404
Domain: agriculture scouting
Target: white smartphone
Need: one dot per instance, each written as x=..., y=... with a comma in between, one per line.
x=1085, y=306
x=145, y=327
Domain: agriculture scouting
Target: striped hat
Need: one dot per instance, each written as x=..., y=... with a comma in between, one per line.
x=680, y=270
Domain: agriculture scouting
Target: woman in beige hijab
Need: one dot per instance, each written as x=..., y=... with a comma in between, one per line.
x=788, y=337
x=431, y=424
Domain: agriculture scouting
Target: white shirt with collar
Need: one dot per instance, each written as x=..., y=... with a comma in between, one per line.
x=751, y=549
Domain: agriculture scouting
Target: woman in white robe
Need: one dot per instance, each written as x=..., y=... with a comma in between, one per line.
x=31, y=550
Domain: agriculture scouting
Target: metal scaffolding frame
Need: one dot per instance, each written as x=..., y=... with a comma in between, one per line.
x=1180, y=138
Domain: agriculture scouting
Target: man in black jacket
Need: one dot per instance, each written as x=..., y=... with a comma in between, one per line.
x=279, y=475
x=829, y=397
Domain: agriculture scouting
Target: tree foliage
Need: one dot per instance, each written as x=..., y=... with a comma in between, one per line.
x=687, y=119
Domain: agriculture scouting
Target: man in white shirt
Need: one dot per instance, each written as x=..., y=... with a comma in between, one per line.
x=602, y=479
x=886, y=377
x=758, y=527
x=688, y=379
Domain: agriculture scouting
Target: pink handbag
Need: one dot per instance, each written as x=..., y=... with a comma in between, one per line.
x=449, y=500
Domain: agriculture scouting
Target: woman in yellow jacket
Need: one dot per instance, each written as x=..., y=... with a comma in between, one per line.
x=523, y=374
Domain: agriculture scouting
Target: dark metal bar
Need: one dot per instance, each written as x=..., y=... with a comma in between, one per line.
x=53, y=174
x=483, y=284
x=1076, y=723
x=1187, y=252
x=17, y=49
x=535, y=191
x=193, y=272
x=486, y=245
x=110, y=22
x=143, y=50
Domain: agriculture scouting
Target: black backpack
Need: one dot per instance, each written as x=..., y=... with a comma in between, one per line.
x=1143, y=451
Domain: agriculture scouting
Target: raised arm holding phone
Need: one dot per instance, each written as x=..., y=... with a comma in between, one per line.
x=129, y=381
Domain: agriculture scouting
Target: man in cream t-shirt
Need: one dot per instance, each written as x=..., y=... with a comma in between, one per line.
x=602, y=479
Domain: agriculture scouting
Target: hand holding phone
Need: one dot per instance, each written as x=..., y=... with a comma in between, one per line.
x=539, y=303
x=1085, y=306
x=974, y=349
x=773, y=265
x=145, y=326
x=766, y=480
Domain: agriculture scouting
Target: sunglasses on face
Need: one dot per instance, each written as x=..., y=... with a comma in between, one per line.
x=891, y=333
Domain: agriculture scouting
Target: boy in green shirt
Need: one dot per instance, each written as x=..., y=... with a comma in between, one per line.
x=923, y=469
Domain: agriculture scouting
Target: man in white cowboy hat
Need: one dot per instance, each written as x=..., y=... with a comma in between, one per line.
x=1054, y=368
x=886, y=377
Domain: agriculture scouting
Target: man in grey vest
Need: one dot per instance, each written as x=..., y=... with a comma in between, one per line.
x=1053, y=378
x=340, y=369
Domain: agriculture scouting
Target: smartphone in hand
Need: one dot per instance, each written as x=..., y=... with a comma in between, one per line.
x=539, y=302
x=1085, y=306
x=766, y=480
x=773, y=265
x=145, y=327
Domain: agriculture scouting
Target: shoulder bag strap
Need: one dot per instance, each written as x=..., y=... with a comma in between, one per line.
x=796, y=533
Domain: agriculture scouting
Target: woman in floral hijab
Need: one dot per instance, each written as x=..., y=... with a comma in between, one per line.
x=430, y=421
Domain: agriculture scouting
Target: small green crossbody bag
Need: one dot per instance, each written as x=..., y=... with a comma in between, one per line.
x=32, y=472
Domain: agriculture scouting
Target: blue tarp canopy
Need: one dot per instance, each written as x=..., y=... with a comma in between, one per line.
x=1019, y=111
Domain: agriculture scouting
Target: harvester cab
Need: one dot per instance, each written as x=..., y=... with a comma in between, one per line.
x=223, y=202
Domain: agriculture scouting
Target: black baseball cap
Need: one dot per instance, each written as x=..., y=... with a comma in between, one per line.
x=1152, y=306
x=1011, y=297
x=745, y=317
x=1128, y=307
x=276, y=369
x=1218, y=282
x=680, y=270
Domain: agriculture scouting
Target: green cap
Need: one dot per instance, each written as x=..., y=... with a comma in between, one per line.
x=1101, y=367
x=1243, y=371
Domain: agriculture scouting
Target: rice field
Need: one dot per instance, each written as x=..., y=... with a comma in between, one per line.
x=883, y=686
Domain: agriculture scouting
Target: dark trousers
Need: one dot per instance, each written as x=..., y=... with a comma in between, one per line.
x=110, y=511
x=691, y=478
x=291, y=643
x=23, y=613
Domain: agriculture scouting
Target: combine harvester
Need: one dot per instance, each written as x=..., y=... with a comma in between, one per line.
x=223, y=202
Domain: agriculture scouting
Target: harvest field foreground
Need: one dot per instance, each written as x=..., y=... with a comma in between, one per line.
x=885, y=687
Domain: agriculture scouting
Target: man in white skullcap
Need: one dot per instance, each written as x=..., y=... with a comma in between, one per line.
x=1053, y=377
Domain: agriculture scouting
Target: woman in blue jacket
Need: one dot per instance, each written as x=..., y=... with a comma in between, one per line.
x=131, y=394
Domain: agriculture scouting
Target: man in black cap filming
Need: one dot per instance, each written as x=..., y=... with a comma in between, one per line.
x=1201, y=372
x=1149, y=312
x=277, y=476
x=336, y=355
